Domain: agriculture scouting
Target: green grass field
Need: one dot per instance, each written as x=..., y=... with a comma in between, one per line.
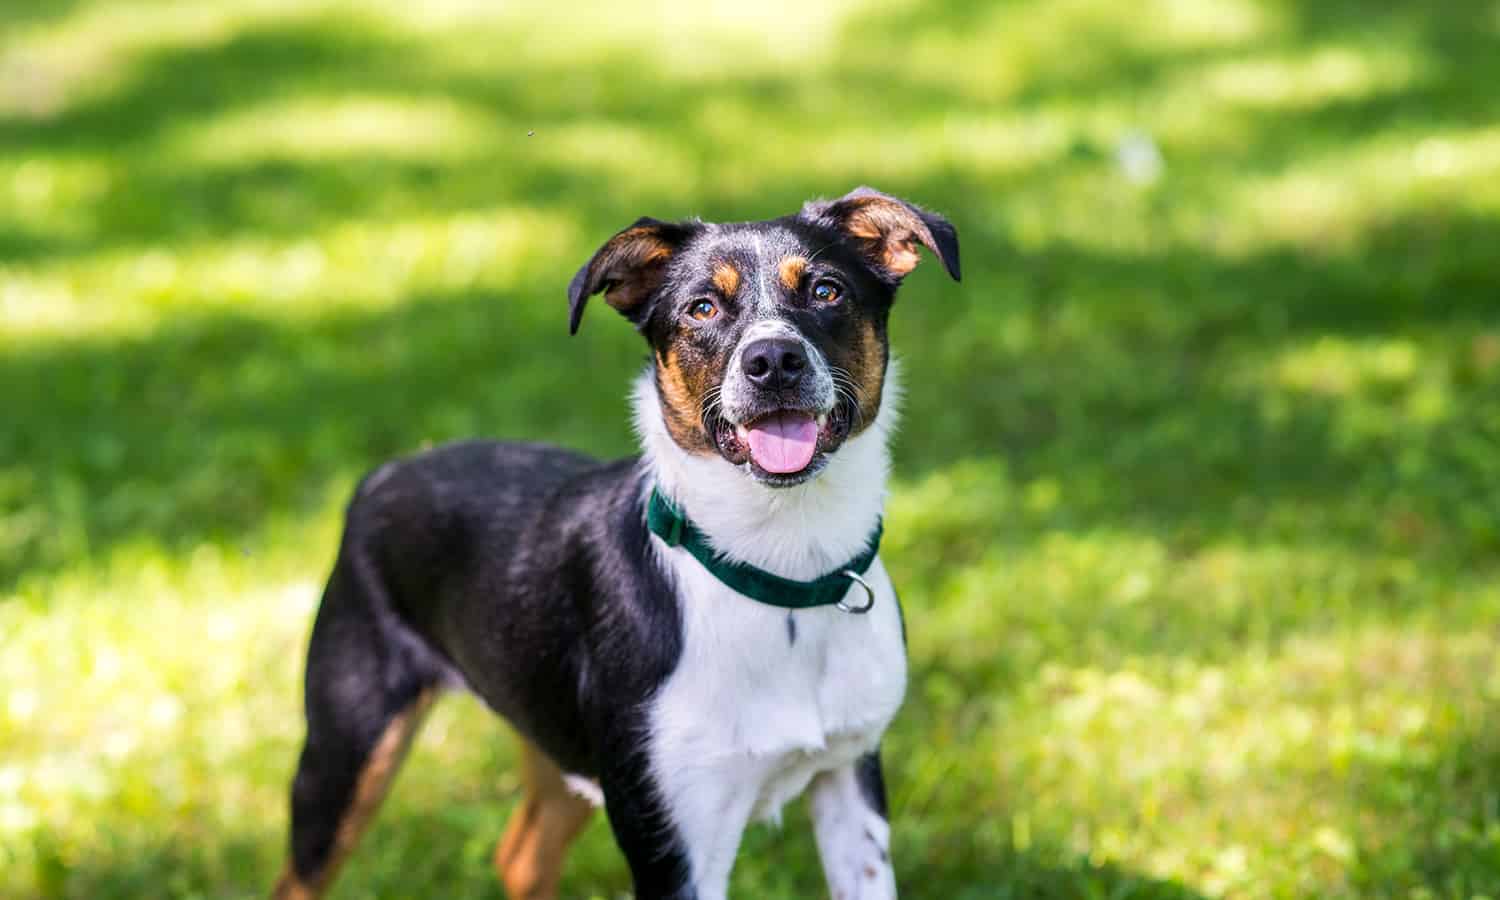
x=1197, y=505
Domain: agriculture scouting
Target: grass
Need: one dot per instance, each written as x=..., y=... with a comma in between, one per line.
x=1195, y=511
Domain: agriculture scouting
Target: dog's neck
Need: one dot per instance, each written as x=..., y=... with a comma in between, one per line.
x=799, y=532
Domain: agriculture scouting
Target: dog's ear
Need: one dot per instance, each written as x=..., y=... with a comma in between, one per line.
x=628, y=269
x=887, y=230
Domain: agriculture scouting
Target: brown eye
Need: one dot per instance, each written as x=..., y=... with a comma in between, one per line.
x=826, y=292
x=703, y=310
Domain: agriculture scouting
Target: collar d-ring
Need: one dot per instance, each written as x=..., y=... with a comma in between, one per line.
x=869, y=594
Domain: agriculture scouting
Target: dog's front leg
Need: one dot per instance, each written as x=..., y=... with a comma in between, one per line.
x=681, y=833
x=854, y=838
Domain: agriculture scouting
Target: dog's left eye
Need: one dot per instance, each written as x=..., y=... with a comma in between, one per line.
x=703, y=310
x=827, y=292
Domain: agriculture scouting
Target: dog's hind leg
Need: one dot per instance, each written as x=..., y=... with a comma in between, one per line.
x=529, y=859
x=369, y=682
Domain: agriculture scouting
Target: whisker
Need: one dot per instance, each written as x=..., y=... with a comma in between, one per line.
x=711, y=405
x=859, y=416
x=842, y=377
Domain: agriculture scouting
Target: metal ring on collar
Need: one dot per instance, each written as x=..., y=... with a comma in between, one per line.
x=869, y=594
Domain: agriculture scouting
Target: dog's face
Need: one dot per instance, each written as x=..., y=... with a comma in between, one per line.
x=769, y=338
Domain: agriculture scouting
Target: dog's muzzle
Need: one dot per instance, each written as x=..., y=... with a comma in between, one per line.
x=780, y=415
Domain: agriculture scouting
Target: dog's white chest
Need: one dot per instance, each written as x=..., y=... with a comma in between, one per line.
x=756, y=698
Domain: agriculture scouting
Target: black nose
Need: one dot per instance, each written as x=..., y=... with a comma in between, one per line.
x=774, y=363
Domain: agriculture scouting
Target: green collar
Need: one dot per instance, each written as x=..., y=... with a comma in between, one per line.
x=830, y=590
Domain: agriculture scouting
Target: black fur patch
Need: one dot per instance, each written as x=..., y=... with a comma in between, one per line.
x=871, y=780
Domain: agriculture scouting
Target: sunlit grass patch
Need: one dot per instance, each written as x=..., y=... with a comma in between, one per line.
x=1341, y=367
x=624, y=151
x=682, y=37
x=41, y=196
x=1372, y=389
x=349, y=265
x=1270, y=735
x=177, y=683
x=1329, y=202
x=54, y=65
x=1316, y=78
x=1213, y=108
x=181, y=707
x=1022, y=45
x=321, y=128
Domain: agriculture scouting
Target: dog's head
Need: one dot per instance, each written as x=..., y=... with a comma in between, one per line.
x=769, y=338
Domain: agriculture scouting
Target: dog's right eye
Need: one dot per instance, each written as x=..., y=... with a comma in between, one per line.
x=703, y=310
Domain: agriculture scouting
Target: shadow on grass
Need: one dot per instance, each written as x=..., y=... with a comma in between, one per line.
x=1431, y=822
x=35, y=12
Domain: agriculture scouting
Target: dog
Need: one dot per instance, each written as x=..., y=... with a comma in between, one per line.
x=690, y=638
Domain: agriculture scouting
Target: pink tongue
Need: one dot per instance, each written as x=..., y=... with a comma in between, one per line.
x=783, y=442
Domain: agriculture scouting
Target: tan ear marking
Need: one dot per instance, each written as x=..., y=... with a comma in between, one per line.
x=892, y=232
x=900, y=258
x=641, y=250
x=887, y=231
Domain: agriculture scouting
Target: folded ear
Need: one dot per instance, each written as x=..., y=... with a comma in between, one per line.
x=628, y=269
x=887, y=230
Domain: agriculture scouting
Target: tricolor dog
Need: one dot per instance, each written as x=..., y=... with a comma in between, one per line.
x=689, y=638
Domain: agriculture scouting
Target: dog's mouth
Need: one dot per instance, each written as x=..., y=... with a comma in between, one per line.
x=784, y=446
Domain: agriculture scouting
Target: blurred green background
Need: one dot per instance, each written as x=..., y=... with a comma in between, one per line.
x=1197, y=504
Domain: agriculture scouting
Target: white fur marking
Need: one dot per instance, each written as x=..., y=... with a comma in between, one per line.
x=748, y=719
x=854, y=841
x=585, y=787
x=765, y=296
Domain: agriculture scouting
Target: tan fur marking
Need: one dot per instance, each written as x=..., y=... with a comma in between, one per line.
x=869, y=373
x=529, y=859
x=681, y=403
x=290, y=887
x=726, y=279
x=791, y=270
x=374, y=780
